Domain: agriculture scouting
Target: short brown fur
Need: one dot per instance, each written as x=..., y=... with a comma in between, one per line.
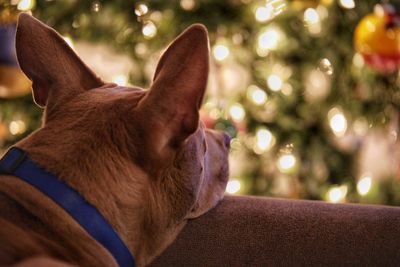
x=142, y=157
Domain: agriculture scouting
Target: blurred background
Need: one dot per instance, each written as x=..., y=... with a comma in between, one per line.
x=308, y=89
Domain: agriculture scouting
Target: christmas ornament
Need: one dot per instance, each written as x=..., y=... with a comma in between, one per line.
x=377, y=38
x=13, y=82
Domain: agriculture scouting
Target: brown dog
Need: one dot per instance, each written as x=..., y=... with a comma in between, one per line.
x=141, y=157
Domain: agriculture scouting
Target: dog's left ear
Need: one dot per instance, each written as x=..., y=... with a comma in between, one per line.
x=56, y=71
x=174, y=99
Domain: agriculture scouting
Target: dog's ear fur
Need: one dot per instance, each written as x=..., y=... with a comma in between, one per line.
x=179, y=83
x=56, y=71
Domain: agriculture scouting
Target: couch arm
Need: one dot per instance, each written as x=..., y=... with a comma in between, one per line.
x=253, y=231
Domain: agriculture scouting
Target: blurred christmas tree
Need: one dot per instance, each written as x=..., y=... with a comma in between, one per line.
x=312, y=117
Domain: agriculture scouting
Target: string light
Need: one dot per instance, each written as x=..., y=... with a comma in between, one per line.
x=120, y=79
x=237, y=112
x=286, y=163
x=149, y=30
x=311, y=16
x=264, y=140
x=26, y=5
x=270, y=10
x=317, y=85
x=358, y=60
x=337, y=121
x=348, y=4
x=213, y=110
x=188, y=4
x=312, y=20
x=264, y=13
x=274, y=82
x=141, y=10
x=287, y=89
x=337, y=194
x=233, y=186
x=270, y=38
x=96, y=6
x=379, y=10
x=364, y=185
x=220, y=52
x=325, y=66
x=322, y=12
x=256, y=95
x=17, y=127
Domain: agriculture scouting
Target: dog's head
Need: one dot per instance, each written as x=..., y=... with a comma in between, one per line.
x=158, y=130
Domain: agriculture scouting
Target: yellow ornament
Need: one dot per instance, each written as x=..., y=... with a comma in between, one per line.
x=377, y=38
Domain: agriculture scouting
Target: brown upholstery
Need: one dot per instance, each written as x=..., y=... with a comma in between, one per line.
x=250, y=231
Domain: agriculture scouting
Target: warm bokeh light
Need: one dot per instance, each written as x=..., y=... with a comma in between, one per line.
x=358, y=60
x=120, y=79
x=337, y=194
x=337, y=121
x=325, y=66
x=311, y=16
x=264, y=13
x=286, y=163
x=364, y=185
x=348, y=4
x=17, y=127
x=257, y=95
x=270, y=38
x=141, y=9
x=264, y=140
x=188, y=4
x=149, y=30
x=220, y=52
x=96, y=6
x=274, y=82
x=233, y=186
x=26, y=5
x=312, y=20
x=237, y=112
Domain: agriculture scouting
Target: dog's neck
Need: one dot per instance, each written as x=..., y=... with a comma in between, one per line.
x=108, y=179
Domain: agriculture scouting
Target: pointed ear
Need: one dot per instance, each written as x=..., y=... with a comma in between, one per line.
x=180, y=80
x=56, y=71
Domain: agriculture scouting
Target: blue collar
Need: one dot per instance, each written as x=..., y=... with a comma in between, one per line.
x=17, y=163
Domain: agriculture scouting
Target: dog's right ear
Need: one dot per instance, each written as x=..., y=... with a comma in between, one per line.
x=56, y=71
x=172, y=104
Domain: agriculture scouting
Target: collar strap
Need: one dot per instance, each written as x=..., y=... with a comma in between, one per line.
x=17, y=163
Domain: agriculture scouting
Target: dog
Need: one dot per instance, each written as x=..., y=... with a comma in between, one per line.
x=141, y=159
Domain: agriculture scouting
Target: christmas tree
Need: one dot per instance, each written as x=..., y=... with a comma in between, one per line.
x=308, y=89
